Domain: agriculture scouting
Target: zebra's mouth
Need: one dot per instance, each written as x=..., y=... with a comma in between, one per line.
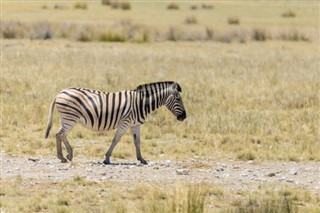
x=182, y=116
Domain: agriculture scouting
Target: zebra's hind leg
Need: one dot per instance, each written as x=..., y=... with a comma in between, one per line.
x=68, y=147
x=59, y=136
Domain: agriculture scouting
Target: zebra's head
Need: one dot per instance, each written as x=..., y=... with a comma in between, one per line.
x=174, y=102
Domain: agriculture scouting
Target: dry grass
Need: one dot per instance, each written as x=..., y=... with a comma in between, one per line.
x=246, y=102
x=80, y=195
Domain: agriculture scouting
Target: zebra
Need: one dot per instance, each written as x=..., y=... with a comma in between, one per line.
x=122, y=110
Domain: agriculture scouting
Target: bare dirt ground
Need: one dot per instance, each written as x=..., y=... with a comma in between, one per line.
x=231, y=175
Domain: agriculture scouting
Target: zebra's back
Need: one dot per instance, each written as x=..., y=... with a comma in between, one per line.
x=93, y=109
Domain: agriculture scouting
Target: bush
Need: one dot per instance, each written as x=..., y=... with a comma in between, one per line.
x=82, y=6
x=207, y=6
x=288, y=14
x=191, y=20
x=233, y=20
x=122, y=5
x=193, y=7
x=106, y=2
x=173, y=6
x=112, y=37
x=125, y=6
x=259, y=35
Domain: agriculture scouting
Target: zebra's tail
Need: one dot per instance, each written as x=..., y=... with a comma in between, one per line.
x=50, y=119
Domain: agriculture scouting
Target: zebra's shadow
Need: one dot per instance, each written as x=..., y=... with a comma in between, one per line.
x=116, y=164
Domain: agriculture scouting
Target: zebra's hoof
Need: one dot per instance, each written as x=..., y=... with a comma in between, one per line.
x=144, y=162
x=106, y=162
x=63, y=160
x=69, y=157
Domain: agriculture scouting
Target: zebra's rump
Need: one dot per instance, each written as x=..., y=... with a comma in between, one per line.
x=94, y=109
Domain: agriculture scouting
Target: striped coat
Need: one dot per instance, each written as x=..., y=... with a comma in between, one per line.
x=100, y=111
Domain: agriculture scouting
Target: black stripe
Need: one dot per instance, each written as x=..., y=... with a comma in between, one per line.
x=153, y=97
x=147, y=106
x=125, y=105
x=83, y=105
x=100, y=115
x=106, y=112
x=90, y=99
x=141, y=107
x=68, y=113
x=112, y=109
x=68, y=119
x=118, y=109
x=66, y=105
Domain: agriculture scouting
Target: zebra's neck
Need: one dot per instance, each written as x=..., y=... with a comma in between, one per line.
x=152, y=97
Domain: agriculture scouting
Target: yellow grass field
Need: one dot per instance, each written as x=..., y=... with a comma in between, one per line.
x=246, y=100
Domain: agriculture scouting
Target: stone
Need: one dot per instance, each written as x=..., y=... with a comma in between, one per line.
x=183, y=171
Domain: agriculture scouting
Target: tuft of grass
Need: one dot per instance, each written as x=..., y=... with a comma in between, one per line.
x=112, y=37
x=125, y=6
x=207, y=6
x=288, y=14
x=259, y=34
x=246, y=155
x=233, y=20
x=191, y=20
x=282, y=204
x=120, y=5
x=173, y=6
x=106, y=2
x=193, y=7
x=80, y=5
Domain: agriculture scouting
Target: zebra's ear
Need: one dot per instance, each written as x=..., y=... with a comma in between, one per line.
x=176, y=86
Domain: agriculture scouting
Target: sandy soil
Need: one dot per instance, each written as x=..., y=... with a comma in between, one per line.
x=231, y=175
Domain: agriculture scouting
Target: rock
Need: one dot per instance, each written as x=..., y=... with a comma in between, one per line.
x=183, y=171
x=293, y=171
x=271, y=174
x=220, y=169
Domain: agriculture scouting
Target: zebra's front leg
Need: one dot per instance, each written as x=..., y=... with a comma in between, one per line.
x=121, y=130
x=136, y=138
x=59, y=136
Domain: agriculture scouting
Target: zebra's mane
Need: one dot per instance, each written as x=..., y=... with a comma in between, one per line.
x=145, y=87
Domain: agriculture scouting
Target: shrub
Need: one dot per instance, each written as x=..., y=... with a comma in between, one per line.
x=209, y=33
x=112, y=37
x=106, y=2
x=207, y=6
x=86, y=34
x=293, y=35
x=283, y=204
x=125, y=6
x=122, y=5
x=233, y=20
x=259, y=35
x=80, y=5
x=173, y=34
x=173, y=6
x=193, y=7
x=288, y=14
x=191, y=20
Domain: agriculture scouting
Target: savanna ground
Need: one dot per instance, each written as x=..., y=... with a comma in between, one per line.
x=251, y=89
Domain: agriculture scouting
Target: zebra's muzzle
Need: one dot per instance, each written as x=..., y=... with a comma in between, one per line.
x=182, y=116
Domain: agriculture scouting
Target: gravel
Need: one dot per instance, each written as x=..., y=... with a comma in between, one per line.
x=231, y=175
